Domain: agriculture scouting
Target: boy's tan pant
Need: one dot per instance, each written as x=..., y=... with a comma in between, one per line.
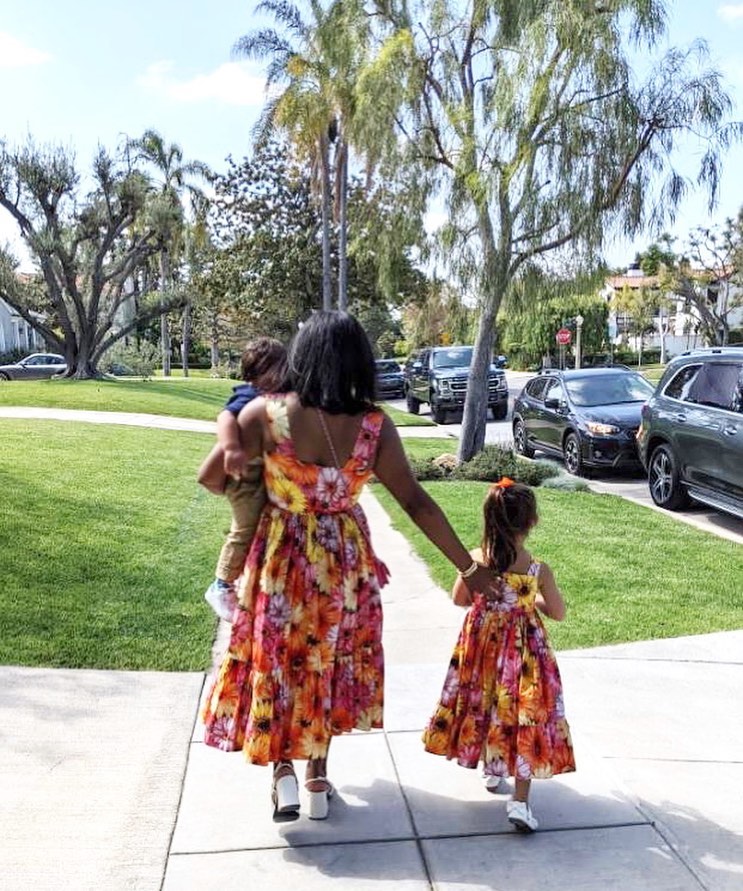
x=247, y=497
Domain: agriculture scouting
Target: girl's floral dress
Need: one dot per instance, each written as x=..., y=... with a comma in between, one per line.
x=305, y=659
x=502, y=699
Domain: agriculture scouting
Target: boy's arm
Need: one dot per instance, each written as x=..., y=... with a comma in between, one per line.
x=549, y=599
x=228, y=437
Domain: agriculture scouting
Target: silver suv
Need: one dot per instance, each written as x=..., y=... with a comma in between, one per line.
x=691, y=435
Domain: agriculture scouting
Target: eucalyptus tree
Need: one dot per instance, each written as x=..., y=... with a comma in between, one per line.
x=174, y=180
x=527, y=119
x=88, y=243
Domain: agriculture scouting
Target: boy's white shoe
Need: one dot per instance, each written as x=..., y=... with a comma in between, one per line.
x=519, y=813
x=222, y=598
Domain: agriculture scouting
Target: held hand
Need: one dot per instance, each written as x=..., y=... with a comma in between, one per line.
x=483, y=581
x=234, y=461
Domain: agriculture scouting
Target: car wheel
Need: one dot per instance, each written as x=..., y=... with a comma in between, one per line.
x=438, y=413
x=520, y=442
x=572, y=456
x=4, y=376
x=414, y=405
x=499, y=412
x=663, y=480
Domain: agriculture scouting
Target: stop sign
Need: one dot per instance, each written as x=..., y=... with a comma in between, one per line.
x=563, y=336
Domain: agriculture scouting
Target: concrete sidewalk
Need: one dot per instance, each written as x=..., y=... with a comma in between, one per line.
x=106, y=786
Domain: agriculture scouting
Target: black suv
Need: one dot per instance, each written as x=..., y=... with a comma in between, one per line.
x=587, y=416
x=439, y=376
x=691, y=437
x=389, y=379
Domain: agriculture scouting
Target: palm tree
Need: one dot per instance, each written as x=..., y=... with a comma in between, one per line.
x=173, y=177
x=316, y=61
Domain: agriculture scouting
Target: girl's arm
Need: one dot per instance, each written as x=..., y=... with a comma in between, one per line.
x=549, y=599
x=393, y=471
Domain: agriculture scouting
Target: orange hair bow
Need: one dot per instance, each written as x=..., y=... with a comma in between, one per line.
x=504, y=482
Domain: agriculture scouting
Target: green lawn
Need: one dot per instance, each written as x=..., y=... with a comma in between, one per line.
x=199, y=397
x=107, y=545
x=628, y=573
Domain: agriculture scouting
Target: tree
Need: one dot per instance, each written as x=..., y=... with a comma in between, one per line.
x=88, y=248
x=526, y=116
x=174, y=179
x=639, y=305
x=709, y=277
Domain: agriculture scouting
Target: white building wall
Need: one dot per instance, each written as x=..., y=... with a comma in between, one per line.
x=16, y=333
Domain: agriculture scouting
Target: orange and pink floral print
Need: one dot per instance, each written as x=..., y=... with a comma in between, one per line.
x=305, y=660
x=502, y=702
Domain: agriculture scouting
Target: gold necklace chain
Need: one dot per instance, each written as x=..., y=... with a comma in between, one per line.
x=328, y=437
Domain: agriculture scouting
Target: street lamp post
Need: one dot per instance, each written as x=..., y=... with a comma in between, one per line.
x=578, y=326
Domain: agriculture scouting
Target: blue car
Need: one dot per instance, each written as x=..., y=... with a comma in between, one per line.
x=390, y=379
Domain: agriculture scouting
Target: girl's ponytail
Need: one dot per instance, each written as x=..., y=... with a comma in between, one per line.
x=510, y=511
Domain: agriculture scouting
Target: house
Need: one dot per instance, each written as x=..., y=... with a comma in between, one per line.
x=16, y=333
x=676, y=326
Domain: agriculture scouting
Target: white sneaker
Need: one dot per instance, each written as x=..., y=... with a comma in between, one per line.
x=519, y=813
x=492, y=783
x=222, y=598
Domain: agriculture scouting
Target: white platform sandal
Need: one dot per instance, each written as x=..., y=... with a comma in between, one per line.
x=319, y=799
x=285, y=796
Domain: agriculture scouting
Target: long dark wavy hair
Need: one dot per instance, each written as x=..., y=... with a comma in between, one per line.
x=509, y=511
x=331, y=364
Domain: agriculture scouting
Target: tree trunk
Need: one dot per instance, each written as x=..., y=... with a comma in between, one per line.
x=492, y=287
x=214, y=346
x=343, y=226
x=327, y=278
x=186, y=338
x=164, y=327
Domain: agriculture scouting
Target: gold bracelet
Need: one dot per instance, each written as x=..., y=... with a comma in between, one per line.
x=471, y=570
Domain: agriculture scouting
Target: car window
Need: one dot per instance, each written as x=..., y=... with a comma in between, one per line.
x=716, y=385
x=37, y=360
x=535, y=387
x=737, y=404
x=452, y=358
x=554, y=390
x=387, y=367
x=680, y=384
x=609, y=389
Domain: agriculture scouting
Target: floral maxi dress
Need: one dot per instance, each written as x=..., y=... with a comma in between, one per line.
x=502, y=700
x=305, y=659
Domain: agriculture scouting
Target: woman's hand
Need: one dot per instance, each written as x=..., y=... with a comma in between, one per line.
x=482, y=581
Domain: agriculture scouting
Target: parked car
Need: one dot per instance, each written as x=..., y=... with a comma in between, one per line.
x=691, y=436
x=390, y=380
x=34, y=367
x=587, y=416
x=439, y=377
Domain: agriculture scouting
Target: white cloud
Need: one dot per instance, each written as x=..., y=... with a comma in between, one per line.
x=15, y=54
x=731, y=12
x=231, y=84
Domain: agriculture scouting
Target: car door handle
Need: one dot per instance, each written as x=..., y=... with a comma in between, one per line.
x=730, y=430
x=681, y=419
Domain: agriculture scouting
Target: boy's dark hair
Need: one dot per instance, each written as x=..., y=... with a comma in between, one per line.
x=331, y=364
x=509, y=511
x=263, y=364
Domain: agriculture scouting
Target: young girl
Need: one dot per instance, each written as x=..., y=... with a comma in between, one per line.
x=502, y=697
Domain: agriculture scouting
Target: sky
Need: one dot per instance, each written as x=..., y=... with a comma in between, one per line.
x=84, y=73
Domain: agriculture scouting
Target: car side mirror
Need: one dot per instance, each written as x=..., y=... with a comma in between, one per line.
x=417, y=366
x=552, y=402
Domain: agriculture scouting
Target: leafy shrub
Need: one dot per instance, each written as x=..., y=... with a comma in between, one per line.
x=492, y=463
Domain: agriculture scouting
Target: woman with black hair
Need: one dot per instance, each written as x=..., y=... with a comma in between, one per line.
x=305, y=660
